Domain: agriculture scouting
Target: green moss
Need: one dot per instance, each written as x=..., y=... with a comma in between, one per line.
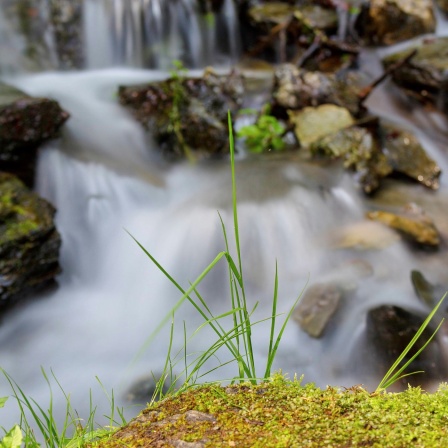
x=281, y=413
x=16, y=221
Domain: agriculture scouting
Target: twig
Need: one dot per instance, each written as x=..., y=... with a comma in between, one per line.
x=364, y=94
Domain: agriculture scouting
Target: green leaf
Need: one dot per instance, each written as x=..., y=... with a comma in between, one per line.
x=13, y=439
x=3, y=401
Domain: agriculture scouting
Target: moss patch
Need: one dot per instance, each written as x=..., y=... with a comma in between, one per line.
x=283, y=413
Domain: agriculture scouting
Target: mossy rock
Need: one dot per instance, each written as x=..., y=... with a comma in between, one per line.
x=29, y=242
x=187, y=115
x=282, y=413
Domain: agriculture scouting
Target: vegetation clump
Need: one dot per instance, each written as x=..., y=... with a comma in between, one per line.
x=281, y=413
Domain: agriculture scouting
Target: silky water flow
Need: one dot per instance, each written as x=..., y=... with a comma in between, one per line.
x=105, y=178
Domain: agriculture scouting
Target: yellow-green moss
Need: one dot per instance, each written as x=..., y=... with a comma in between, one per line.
x=283, y=413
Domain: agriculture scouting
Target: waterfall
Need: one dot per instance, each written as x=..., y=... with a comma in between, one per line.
x=109, y=33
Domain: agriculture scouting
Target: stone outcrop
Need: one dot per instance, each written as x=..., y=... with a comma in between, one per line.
x=29, y=241
x=25, y=123
x=387, y=22
x=187, y=116
x=413, y=224
x=389, y=330
x=423, y=77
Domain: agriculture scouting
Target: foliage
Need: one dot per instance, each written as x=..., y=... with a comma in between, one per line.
x=14, y=437
x=74, y=431
x=177, y=91
x=395, y=372
x=238, y=339
x=266, y=134
x=286, y=413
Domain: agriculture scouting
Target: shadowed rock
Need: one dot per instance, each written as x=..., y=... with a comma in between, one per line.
x=296, y=88
x=389, y=330
x=406, y=156
x=387, y=22
x=29, y=242
x=428, y=293
x=424, y=76
x=443, y=5
x=187, y=115
x=25, y=123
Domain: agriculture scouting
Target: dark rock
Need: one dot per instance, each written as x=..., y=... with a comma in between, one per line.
x=406, y=156
x=296, y=88
x=424, y=76
x=413, y=224
x=25, y=123
x=389, y=330
x=29, y=242
x=66, y=18
x=387, y=22
x=443, y=5
x=30, y=20
x=428, y=293
x=187, y=115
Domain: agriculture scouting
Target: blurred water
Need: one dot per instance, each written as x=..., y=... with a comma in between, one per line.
x=105, y=178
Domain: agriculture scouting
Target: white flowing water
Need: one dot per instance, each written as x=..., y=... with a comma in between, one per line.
x=105, y=178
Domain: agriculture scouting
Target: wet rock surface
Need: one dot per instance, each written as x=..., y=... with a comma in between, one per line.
x=317, y=306
x=29, y=241
x=187, y=115
x=25, y=123
x=387, y=22
x=313, y=123
x=406, y=156
x=389, y=330
x=427, y=292
x=66, y=18
x=423, y=77
x=443, y=5
x=413, y=224
x=296, y=88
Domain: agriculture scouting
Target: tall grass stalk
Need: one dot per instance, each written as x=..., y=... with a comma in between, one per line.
x=395, y=373
x=74, y=431
x=238, y=339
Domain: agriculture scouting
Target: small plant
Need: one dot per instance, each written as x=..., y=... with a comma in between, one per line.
x=266, y=134
x=178, y=93
x=394, y=374
x=14, y=437
x=74, y=432
x=238, y=339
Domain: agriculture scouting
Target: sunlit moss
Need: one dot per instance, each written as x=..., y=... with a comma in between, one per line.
x=281, y=413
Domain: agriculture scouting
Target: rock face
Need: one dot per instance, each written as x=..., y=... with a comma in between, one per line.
x=413, y=224
x=296, y=88
x=29, y=242
x=387, y=22
x=49, y=34
x=317, y=306
x=443, y=5
x=390, y=329
x=187, y=115
x=66, y=18
x=424, y=76
x=406, y=155
x=25, y=123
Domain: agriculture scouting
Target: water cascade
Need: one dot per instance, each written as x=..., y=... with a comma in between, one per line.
x=105, y=178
